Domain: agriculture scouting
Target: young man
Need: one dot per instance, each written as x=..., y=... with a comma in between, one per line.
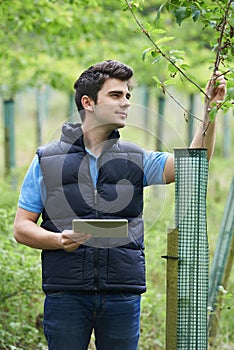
x=94, y=284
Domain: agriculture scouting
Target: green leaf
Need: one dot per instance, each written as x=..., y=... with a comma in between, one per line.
x=157, y=59
x=184, y=66
x=157, y=81
x=154, y=53
x=196, y=14
x=159, y=13
x=172, y=68
x=213, y=113
x=158, y=31
x=230, y=93
x=169, y=82
x=181, y=13
x=165, y=39
x=145, y=52
x=135, y=5
x=177, y=53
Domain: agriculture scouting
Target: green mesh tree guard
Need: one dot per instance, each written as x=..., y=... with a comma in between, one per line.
x=191, y=172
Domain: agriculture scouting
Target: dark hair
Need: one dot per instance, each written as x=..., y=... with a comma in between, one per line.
x=91, y=80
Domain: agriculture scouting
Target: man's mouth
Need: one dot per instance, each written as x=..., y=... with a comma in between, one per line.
x=124, y=114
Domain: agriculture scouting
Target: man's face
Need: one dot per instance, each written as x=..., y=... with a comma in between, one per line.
x=112, y=105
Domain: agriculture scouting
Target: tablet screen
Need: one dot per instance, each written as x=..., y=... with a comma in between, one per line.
x=102, y=228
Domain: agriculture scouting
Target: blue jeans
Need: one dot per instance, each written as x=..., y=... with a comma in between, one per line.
x=70, y=317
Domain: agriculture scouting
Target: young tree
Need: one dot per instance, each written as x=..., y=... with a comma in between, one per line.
x=217, y=21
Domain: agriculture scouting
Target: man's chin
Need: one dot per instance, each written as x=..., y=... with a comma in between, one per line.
x=117, y=125
x=121, y=124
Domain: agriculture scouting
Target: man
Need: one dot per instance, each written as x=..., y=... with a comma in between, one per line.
x=94, y=284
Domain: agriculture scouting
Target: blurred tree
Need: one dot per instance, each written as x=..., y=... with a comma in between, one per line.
x=47, y=42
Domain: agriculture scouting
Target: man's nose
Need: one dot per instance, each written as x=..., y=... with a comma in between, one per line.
x=125, y=102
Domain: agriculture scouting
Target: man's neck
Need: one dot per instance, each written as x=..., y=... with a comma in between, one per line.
x=95, y=138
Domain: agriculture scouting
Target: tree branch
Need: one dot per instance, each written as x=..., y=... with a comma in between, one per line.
x=216, y=68
x=161, y=52
x=206, y=120
x=179, y=104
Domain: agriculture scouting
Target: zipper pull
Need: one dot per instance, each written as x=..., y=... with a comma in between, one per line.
x=95, y=202
x=95, y=196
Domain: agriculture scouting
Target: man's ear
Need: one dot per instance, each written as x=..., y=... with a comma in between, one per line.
x=87, y=103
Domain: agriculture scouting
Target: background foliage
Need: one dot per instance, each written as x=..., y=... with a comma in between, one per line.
x=49, y=42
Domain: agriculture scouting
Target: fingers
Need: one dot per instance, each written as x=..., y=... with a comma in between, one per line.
x=216, y=89
x=79, y=237
x=70, y=247
x=220, y=85
x=70, y=240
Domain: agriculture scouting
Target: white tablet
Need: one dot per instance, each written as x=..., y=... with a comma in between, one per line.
x=101, y=227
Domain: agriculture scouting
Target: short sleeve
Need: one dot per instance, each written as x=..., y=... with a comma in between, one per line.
x=154, y=163
x=32, y=194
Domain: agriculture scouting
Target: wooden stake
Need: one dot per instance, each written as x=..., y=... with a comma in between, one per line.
x=172, y=289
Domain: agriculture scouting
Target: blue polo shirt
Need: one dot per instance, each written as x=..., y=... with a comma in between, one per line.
x=33, y=191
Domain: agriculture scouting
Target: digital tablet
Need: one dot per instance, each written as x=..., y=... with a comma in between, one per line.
x=101, y=227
